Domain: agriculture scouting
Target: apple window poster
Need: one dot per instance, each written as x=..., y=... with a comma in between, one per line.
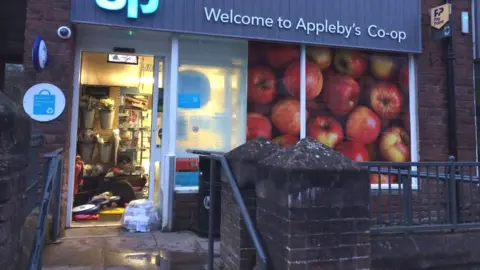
x=357, y=102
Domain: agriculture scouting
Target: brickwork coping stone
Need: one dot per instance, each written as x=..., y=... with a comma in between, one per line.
x=313, y=209
x=237, y=251
x=243, y=160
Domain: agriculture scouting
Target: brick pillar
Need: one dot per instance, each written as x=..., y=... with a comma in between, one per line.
x=43, y=18
x=15, y=134
x=236, y=248
x=314, y=210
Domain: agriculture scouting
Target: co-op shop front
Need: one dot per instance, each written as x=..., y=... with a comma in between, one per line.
x=213, y=74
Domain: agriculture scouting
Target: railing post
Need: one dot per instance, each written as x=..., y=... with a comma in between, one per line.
x=407, y=200
x=57, y=195
x=211, y=214
x=452, y=192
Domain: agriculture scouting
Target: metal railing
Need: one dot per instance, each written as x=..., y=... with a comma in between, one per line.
x=406, y=197
x=219, y=157
x=49, y=204
x=34, y=182
x=424, y=196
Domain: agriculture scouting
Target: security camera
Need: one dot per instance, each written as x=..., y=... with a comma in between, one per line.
x=64, y=32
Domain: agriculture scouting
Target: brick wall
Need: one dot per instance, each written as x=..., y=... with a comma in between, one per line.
x=236, y=248
x=432, y=90
x=432, y=250
x=43, y=18
x=15, y=148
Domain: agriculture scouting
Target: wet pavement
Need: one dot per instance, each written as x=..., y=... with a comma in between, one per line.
x=113, y=249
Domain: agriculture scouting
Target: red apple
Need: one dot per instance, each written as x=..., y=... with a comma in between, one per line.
x=354, y=151
x=314, y=80
x=384, y=178
x=285, y=140
x=322, y=56
x=386, y=100
x=394, y=145
x=326, y=130
x=261, y=85
x=342, y=94
x=403, y=79
x=352, y=63
x=281, y=55
x=383, y=67
x=363, y=125
x=286, y=116
x=258, y=126
x=406, y=121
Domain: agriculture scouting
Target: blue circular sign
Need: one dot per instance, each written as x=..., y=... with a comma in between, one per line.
x=39, y=54
x=194, y=83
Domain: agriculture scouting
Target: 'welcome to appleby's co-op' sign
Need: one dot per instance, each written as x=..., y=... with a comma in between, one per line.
x=391, y=25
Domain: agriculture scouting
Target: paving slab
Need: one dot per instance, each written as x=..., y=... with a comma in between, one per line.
x=94, y=231
x=75, y=252
x=203, y=244
x=127, y=260
x=135, y=242
x=179, y=241
x=116, y=249
x=74, y=268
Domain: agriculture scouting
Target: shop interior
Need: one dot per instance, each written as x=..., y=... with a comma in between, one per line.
x=112, y=164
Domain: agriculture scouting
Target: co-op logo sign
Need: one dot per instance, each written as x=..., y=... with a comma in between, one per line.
x=133, y=6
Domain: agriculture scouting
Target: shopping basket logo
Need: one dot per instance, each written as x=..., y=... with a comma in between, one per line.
x=44, y=103
x=132, y=6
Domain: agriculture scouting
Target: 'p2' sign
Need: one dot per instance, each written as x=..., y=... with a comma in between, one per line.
x=132, y=6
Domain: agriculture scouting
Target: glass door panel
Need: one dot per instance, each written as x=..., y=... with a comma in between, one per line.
x=208, y=116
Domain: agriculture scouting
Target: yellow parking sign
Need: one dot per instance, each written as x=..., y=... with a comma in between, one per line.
x=439, y=16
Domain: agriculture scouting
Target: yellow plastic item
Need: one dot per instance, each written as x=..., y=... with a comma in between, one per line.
x=112, y=211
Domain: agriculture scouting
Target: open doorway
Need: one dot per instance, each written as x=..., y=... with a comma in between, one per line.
x=114, y=135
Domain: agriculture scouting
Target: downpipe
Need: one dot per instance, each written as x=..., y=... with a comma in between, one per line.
x=449, y=55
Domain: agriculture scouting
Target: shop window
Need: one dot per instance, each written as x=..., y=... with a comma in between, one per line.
x=357, y=102
x=210, y=114
x=274, y=92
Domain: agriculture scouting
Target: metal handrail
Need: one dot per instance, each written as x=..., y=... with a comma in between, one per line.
x=220, y=157
x=52, y=173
